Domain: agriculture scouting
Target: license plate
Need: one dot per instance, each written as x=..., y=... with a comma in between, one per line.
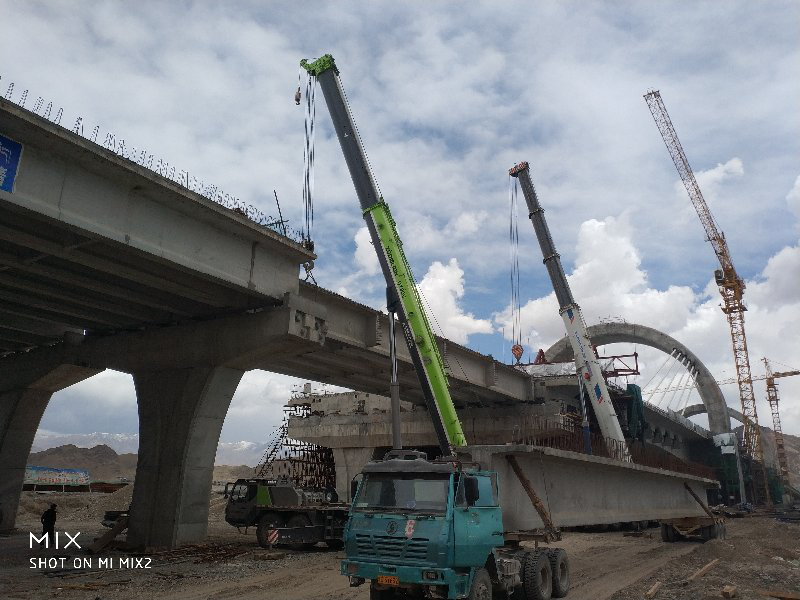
x=388, y=580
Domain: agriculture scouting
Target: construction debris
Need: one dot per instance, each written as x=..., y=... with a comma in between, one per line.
x=653, y=590
x=704, y=570
x=780, y=595
x=103, y=541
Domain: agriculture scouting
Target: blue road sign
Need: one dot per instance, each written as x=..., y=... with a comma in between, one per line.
x=10, y=155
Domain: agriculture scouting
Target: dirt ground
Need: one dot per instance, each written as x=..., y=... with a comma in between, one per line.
x=759, y=553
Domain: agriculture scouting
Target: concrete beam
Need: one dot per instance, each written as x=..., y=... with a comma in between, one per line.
x=579, y=489
x=181, y=412
x=362, y=335
x=23, y=400
x=495, y=425
x=73, y=181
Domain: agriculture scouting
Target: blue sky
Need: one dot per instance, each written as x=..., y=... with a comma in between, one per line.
x=447, y=97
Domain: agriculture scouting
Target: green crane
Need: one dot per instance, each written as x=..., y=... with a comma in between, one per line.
x=402, y=296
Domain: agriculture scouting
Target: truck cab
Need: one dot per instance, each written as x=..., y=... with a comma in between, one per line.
x=423, y=527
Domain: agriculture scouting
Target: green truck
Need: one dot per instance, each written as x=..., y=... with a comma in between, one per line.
x=421, y=528
x=296, y=517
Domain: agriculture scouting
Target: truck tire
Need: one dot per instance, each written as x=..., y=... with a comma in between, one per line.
x=269, y=520
x=559, y=564
x=522, y=557
x=537, y=580
x=300, y=521
x=376, y=594
x=481, y=586
x=335, y=544
x=667, y=533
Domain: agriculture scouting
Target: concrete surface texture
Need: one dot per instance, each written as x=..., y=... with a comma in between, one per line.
x=610, y=333
x=105, y=244
x=579, y=489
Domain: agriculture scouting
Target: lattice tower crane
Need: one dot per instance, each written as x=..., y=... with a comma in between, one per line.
x=731, y=286
x=772, y=397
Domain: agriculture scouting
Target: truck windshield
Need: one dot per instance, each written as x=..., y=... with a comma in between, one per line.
x=417, y=492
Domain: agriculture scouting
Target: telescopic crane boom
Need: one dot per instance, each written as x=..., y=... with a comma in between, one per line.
x=585, y=359
x=402, y=291
x=731, y=286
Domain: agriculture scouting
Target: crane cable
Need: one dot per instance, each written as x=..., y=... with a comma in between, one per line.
x=308, y=155
x=513, y=238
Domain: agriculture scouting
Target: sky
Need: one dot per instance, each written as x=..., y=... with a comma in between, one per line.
x=447, y=97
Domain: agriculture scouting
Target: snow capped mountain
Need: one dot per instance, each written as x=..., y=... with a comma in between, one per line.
x=228, y=453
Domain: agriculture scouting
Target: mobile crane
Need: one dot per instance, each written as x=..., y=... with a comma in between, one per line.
x=419, y=527
x=586, y=361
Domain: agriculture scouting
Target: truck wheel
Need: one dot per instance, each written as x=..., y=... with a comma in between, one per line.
x=706, y=533
x=268, y=520
x=537, y=580
x=667, y=533
x=376, y=594
x=559, y=564
x=335, y=544
x=300, y=521
x=522, y=557
x=481, y=586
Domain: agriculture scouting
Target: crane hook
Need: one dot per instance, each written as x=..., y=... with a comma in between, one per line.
x=297, y=96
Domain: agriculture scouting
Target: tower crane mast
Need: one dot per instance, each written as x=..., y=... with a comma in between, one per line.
x=772, y=397
x=731, y=286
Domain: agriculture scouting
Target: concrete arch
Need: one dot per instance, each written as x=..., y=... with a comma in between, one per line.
x=610, y=333
x=697, y=409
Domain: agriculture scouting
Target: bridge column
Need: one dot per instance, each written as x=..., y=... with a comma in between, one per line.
x=181, y=412
x=349, y=462
x=23, y=399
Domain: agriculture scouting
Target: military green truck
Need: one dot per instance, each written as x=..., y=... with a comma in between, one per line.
x=286, y=515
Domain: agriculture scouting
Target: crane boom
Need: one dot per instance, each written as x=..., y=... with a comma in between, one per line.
x=400, y=282
x=731, y=286
x=585, y=359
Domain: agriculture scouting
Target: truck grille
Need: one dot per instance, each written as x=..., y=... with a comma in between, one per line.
x=384, y=546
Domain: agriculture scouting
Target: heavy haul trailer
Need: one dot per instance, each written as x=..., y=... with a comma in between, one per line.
x=297, y=518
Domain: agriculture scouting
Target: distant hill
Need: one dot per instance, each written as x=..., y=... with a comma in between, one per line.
x=101, y=461
x=228, y=453
x=792, y=445
x=104, y=464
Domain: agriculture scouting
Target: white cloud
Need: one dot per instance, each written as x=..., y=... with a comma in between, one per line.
x=365, y=256
x=711, y=179
x=442, y=288
x=607, y=280
x=190, y=82
x=793, y=198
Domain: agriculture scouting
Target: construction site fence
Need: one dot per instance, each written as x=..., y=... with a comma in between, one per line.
x=564, y=433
